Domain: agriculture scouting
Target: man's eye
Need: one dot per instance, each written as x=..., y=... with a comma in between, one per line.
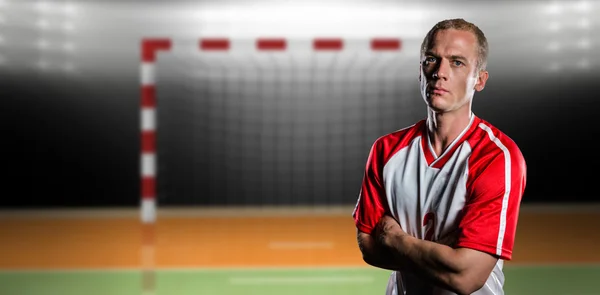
x=429, y=60
x=458, y=63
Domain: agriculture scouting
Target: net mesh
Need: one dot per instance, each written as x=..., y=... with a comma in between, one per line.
x=292, y=127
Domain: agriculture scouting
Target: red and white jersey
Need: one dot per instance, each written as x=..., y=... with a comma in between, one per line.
x=475, y=186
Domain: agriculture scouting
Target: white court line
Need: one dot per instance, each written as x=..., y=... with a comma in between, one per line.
x=281, y=245
x=266, y=268
x=300, y=280
x=192, y=269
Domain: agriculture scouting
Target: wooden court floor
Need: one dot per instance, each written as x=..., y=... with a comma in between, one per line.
x=215, y=238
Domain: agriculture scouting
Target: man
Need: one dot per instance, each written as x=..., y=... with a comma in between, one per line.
x=440, y=199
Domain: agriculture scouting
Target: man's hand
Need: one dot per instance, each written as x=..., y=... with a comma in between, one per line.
x=387, y=230
x=377, y=246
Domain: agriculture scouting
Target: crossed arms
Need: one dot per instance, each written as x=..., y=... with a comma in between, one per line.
x=487, y=222
x=460, y=270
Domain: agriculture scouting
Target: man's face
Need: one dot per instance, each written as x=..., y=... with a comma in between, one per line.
x=449, y=74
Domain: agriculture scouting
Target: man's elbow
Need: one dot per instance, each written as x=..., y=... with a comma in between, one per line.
x=369, y=259
x=367, y=254
x=367, y=248
x=472, y=269
x=466, y=284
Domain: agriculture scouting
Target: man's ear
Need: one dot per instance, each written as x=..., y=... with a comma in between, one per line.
x=481, y=80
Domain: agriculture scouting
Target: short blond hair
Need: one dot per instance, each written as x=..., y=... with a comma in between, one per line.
x=463, y=25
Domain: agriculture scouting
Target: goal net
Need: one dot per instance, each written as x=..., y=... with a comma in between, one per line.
x=269, y=121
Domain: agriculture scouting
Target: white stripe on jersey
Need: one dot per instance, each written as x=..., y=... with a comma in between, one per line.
x=507, y=179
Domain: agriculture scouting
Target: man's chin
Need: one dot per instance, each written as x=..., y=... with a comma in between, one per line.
x=435, y=106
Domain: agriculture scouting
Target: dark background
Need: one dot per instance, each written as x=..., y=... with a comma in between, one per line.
x=69, y=92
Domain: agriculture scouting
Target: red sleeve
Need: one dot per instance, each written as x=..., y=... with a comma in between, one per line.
x=370, y=206
x=490, y=214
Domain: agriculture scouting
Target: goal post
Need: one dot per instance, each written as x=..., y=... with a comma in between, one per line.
x=150, y=48
x=153, y=48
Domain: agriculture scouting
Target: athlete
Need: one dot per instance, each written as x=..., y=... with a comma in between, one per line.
x=439, y=201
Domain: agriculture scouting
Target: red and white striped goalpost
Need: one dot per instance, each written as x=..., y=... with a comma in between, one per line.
x=151, y=47
x=149, y=51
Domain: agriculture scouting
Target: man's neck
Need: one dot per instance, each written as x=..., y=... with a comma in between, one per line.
x=444, y=128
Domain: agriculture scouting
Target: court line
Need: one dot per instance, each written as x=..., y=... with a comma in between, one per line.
x=301, y=280
x=191, y=269
x=269, y=268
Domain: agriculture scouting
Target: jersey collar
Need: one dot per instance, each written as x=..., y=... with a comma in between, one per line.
x=437, y=162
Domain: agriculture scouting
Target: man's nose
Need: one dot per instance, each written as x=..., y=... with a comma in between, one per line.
x=442, y=70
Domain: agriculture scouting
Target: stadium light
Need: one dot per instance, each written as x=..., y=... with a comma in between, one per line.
x=554, y=46
x=43, y=24
x=43, y=6
x=554, y=67
x=68, y=46
x=49, y=7
x=583, y=6
x=68, y=27
x=584, y=23
x=583, y=63
x=554, y=26
x=584, y=43
x=294, y=19
x=43, y=65
x=43, y=44
x=70, y=9
x=68, y=67
x=554, y=8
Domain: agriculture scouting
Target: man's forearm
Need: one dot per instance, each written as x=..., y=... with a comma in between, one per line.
x=437, y=263
x=390, y=257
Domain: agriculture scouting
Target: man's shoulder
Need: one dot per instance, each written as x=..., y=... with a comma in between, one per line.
x=389, y=144
x=405, y=134
x=492, y=138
